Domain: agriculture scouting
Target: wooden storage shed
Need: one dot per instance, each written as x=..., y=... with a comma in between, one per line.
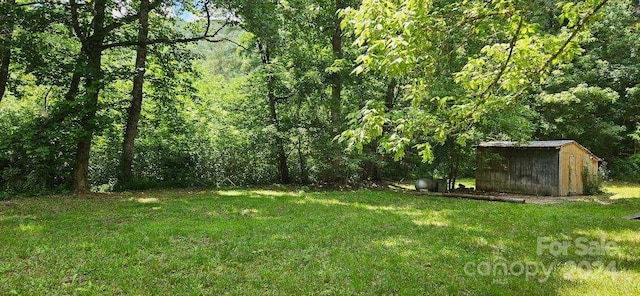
x=553, y=168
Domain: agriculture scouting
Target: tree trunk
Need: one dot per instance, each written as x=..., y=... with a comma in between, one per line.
x=81, y=167
x=93, y=83
x=283, y=168
x=372, y=169
x=6, y=31
x=336, y=92
x=133, y=116
x=453, y=162
x=282, y=156
x=302, y=162
x=92, y=50
x=75, y=79
x=390, y=94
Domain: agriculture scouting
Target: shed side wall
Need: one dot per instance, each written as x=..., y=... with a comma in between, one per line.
x=583, y=160
x=519, y=170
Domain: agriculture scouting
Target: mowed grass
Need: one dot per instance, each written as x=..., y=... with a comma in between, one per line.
x=617, y=190
x=289, y=243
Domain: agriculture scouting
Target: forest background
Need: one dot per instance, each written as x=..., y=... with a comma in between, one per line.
x=106, y=95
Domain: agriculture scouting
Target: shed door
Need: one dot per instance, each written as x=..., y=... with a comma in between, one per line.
x=573, y=178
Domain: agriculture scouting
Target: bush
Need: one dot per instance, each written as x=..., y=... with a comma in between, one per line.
x=592, y=183
x=626, y=169
x=35, y=155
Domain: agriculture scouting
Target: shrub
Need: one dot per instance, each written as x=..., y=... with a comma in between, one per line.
x=592, y=183
x=626, y=169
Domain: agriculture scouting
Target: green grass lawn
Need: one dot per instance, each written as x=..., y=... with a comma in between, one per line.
x=617, y=190
x=287, y=242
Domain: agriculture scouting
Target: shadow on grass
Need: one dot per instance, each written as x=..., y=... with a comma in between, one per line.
x=489, y=232
x=270, y=241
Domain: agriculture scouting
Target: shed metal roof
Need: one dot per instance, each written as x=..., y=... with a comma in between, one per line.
x=530, y=144
x=535, y=144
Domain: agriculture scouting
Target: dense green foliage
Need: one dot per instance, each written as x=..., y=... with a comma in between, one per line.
x=341, y=92
x=595, y=100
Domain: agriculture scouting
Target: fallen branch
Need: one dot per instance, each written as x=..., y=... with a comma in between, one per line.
x=396, y=186
x=633, y=217
x=476, y=197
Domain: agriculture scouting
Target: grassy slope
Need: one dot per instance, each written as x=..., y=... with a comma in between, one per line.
x=277, y=242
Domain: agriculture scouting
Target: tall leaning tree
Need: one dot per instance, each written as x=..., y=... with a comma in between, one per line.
x=133, y=114
x=92, y=38
x=137, y=94
x=335, y=101
x=7, y=23
x=265, y=22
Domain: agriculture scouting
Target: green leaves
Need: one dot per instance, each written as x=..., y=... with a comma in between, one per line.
x=386, y=31
x=368, y=125
x=424, y=150
x=465, y=60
